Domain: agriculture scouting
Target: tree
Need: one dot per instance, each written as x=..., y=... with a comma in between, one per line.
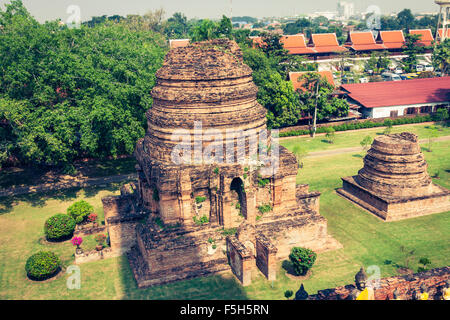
x=441, y=56
x=411, y=50
x=67, y=93
x=274, y=93
x=317, y=99
x=388, y=123
x=330, y=134
x=366, y=142
x=176, y=26
x=300, y=153
x=432, y=134
x=405, y=19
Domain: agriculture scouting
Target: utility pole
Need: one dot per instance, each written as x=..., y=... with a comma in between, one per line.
x=315, y=108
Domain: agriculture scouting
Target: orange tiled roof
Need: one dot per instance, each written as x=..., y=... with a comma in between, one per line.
x=294, y=77
x=392, y=39
x=427, y=36
x=176, y=43
x=326, y=42
x=363, y=41
x=296, y=44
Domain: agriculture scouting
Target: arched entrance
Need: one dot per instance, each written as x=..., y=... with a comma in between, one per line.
x=237, y=185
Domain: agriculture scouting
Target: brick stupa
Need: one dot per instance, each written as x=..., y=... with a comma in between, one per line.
x=394, y=183
x=203, y=218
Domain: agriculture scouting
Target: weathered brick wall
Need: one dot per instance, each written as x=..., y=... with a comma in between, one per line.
x=407, y=285
x=266, y=257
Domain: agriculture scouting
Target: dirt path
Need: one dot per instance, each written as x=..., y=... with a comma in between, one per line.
x=67, y=184
x=358, y=149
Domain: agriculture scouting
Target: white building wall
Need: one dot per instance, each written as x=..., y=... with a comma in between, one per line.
x=383, y=112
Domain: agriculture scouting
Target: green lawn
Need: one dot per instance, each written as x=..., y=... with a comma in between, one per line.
x=366, y=240
x=352, y=139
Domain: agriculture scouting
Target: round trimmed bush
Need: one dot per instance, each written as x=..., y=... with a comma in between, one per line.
x=42, y=265
x=80, y=210
x=59, y=227
x=302, y=260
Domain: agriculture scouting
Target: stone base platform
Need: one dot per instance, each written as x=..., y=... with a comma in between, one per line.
x=395, y=209
x=169, y=251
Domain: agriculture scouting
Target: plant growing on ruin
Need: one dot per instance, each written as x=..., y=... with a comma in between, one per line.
x=263, y=182
x=302, y=260
x=229, y=232
x=216, y=170
x=199, y=199
x=201, y=221
x=265, y=208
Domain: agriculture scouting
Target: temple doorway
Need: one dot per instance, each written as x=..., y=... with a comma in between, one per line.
x=237, y=187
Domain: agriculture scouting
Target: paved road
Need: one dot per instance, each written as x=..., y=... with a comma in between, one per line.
x=358, y=149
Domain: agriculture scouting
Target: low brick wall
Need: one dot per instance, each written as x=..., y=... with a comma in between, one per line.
x=406, y=286
x=95, y=255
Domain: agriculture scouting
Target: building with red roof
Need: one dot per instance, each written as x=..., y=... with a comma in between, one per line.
x=391, y=40
x=398, y=98
x=362, y=42
x=325, y=43
x=296, y=44
x=297, y=82
x=426, y=37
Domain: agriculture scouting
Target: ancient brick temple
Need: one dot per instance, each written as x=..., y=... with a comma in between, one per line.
x=240, y=206
x=394, y=183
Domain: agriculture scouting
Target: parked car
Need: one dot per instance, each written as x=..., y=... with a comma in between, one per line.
x=363, y=80
x=428, y=67
x=398, y=70
x=387, y=76
x=420, y=68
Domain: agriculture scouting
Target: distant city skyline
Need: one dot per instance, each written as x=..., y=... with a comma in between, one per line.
x=57, y=9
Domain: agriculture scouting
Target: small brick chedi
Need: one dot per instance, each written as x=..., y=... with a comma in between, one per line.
x=206, y=202
x=394, y=183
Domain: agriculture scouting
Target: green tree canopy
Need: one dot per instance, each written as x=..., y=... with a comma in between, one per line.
x=72, y=93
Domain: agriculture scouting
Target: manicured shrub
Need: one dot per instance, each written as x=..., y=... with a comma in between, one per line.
x=59, y=227
x=42, y=265
x=302, y=260
x=80, y=210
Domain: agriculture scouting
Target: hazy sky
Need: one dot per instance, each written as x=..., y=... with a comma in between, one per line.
x=53, y=9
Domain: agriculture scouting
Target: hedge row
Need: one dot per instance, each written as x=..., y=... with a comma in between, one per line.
x=360, y=125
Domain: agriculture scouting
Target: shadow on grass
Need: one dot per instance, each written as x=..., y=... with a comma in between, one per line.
x=214, y=287
x=40, y=199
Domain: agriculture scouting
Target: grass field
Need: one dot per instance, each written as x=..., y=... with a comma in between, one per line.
x=352, y=139
x=366, y=240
